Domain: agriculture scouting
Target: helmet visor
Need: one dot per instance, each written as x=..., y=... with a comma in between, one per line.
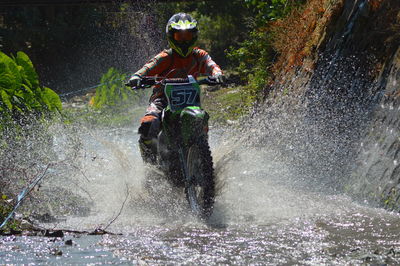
x=182, y=36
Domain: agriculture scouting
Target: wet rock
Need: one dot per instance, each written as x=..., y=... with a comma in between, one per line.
x=11, y=232
x=26, y=225
x=45, y=218
x=69, y=242
x=56, y=252
x=367, y=259
x=391, y=252
x=98, y=231
x=57, y=233
x=378, y=174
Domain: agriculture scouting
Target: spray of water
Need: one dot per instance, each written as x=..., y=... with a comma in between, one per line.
x=290, y=160
x=280, y=165
x=257, y=180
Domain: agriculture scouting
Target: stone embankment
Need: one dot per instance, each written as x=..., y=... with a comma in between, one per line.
x=377, y=174
x=349, y=94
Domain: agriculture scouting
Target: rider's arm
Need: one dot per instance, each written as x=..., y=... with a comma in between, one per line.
x=206, y=64
x=155, y=66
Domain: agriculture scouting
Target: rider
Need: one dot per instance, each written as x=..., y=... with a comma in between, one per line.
x=181, y=60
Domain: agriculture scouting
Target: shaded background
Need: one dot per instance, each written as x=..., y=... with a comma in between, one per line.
x=72, y=45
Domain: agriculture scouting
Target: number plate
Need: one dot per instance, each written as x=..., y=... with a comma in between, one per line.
x=182, y=95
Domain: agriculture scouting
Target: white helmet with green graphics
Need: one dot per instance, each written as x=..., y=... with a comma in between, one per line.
x=182, y=33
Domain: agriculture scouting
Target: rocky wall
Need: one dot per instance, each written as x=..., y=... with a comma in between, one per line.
x=346, y=132
x=377, y=172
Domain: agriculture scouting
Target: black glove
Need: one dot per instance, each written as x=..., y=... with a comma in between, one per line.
x=219, y=78
x=134, y=82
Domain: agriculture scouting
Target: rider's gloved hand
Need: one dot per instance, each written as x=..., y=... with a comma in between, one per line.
x=134, y=82
x=220, y=78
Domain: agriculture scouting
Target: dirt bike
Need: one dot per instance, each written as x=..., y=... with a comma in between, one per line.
x=182, y=149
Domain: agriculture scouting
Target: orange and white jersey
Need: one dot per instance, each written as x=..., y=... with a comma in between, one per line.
x=171, y=65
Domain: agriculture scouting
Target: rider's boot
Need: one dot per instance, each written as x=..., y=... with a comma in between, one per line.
x=148, y=131
x=148, y=150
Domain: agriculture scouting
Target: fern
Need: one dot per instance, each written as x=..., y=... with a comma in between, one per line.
x=20, y=92
x=112, y=93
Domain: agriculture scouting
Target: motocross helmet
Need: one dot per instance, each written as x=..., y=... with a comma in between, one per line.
x=181, y=33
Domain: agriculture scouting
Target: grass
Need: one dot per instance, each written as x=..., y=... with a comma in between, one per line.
x=117, y=117
x=226, y=105
x=5, y=209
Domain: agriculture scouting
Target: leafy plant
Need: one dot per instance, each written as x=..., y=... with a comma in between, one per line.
x=113, y=93
x=20, y=92
x=267, y=10
x=5, y=209
x=254, y=57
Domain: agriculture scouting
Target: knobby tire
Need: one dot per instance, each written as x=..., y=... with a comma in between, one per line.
x=202, y=188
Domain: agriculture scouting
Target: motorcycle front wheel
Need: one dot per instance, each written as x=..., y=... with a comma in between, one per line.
x=200, y=185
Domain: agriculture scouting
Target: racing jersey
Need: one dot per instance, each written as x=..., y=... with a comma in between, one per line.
x=168, y=64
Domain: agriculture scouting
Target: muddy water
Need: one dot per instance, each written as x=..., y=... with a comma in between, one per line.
x=264, y=214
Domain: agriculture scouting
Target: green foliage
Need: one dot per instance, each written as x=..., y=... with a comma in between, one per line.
x=5, y=210
x=227, y=104
x=20, y=93
x=391, y=200
x=255, y=55
x=236, y=33
x=211, y=38
x=253, y=59
x=267, y=10
x=113, y=93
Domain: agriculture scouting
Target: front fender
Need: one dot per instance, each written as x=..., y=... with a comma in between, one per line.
x=194, y=123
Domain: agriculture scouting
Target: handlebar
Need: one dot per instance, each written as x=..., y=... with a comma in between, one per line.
x=149, y=81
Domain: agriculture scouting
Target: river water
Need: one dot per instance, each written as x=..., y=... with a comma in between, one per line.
x=264, y=214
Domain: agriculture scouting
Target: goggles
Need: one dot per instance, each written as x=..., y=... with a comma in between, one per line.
x=181, y=36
